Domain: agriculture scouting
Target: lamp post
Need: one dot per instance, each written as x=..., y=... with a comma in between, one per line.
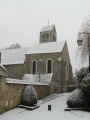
x=80, y=40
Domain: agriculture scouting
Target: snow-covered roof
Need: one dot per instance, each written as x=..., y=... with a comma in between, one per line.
x=47, y=28
x=50, y=47
x=32, y=79
x=44, y=78
x=23, y=82
x=13, y=56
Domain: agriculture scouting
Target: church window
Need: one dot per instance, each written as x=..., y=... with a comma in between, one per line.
x=45, y=37
x=53, y=37
x=49, y=66
x=34, y=67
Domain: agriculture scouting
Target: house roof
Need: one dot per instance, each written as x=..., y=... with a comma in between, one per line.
x=13, y=56
x=3, y=67
x=50, y=47
x=47, y=28
x=43, y=79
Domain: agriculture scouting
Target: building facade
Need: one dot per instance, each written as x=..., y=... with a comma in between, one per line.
x=50, y=56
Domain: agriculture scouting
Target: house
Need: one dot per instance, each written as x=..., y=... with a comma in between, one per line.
x=3, y=74
x=13, y=60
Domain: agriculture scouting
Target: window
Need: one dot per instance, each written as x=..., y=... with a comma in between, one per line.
x=49, y=66
x=53, y=37
x=45, y=37
x=34, y=67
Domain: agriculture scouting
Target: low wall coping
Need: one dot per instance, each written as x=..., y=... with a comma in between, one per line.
x=24, y=82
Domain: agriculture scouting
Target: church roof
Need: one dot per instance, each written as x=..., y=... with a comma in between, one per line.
x=50, y=47
x=13, y=56
x=47, y=28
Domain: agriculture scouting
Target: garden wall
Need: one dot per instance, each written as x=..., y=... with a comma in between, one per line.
x=13, y=92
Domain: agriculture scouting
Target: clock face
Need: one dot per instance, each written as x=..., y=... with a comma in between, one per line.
x=45, y=37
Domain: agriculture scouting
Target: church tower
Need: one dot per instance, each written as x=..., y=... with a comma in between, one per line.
x=48, y=34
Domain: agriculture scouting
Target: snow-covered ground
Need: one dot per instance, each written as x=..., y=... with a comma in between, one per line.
x=42, y=113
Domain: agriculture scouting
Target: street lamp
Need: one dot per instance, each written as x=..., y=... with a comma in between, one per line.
x=80, y=40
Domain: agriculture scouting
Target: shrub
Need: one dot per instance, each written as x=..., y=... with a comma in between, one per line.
x=71, y=88
x=29, y=97
x=76, y=99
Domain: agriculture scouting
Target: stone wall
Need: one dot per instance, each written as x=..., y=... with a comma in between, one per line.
x=51, y=38
x=13, y=95
x=60, y=74
x=2, y=94
x=65, y=54
x=41, y=66
x=10, y=94
x=42, y=91
x=15, y=71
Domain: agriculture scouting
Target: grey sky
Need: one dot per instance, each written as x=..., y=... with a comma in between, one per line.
x=22, y=20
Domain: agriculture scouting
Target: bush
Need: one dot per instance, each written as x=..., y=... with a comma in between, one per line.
x=81, y=96
x=71, y=88
x=76, y=99
x=29, y=97
x=85, y=85
x=80, y=75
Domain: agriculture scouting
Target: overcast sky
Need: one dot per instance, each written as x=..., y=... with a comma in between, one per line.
x=22, y=20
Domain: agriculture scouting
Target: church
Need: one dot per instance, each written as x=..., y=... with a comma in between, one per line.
x=46, y=66
x=50, y=56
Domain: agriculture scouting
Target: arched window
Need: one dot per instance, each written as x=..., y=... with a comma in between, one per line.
x=34, y=67
x=49, y=66
x=53, y=37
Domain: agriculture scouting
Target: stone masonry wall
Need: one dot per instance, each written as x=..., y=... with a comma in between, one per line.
x=13, y=96
x=15, y=71
x=10, y=94
x=42, y=91
x=2, y=94
x=41, y=66
x=65, y=54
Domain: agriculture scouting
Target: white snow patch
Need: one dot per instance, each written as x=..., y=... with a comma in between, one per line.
x=31, y=79
x=79, y=62
x=23, y=82
x=57, y=112
x=75, y=96
x=51, y=47
x=47, y=28
x=44, y=78
x=13, y=56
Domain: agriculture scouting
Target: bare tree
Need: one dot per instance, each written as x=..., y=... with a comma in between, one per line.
x=14, y=46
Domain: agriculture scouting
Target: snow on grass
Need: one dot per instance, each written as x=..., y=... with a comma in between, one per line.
x=42, y=113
